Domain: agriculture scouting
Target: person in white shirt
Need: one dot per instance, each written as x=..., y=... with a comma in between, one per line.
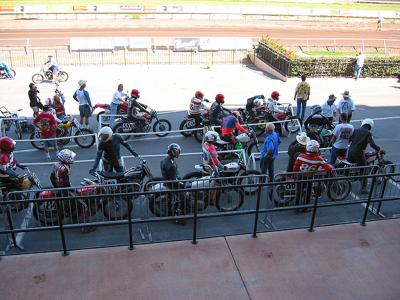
x=329, y=108
x=341, y=138
x=380, y=22
x=360, y=57
x=115, y=102
x=346, y=105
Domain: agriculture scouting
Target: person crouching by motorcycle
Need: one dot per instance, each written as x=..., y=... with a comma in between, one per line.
x=47, y=124
x=272, y=107
x=210, y=155
x=315, y=123
x=269, y=151
x=253, y=104
x=109, y=150
x=8, y=163
x=217, y=111
x=362, y=137
x=310, y=161
x=134, y=106
x=229, y=124
x=297, y=147
x=196, y=106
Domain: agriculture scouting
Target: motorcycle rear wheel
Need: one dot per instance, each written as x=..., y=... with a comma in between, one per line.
x=119, y=128
x=229, y=199
x=281, y=196
x=198, y=135
x=34, y=142
x=63, y=76
x=105, y=120
x=249, y=179
x=46, y=212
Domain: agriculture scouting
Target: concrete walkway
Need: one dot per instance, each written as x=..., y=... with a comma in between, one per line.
x=339, y=262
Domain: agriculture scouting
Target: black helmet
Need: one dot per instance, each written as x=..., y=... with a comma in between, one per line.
x=174, y=150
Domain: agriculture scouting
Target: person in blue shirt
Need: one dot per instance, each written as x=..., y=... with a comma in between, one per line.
x=6, y=69
x=269, y=151
x=85, y=105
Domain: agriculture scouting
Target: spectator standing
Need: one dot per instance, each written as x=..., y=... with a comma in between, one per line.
x=269, y=151
x=59, y=107
x=47, y=124
x=360, y=58
x=346, y=105
x=85, y=105
x=302, y=95
x=380, y=23
x=341, y=138
x=34, y=100
x=115, y=102
x=329, y=109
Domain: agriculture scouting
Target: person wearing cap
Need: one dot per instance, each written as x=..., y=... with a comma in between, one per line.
x=85, y=105
x=329, y=109
x=295, y=148
x=301, y=95
x=346, y=105
x=360, y=57
x=341, y=138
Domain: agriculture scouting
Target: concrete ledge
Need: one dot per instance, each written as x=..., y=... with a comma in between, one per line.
x=263, y=66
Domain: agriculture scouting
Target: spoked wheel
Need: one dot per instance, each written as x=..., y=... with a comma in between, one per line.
x=255, y=148
x=45, y=211
x=37, y=78
x=387, y=168
x=284, y=194
x=63, y=76
x=229, y=199
x=119, y=128
x=15, y=207
x=199, y=134
x=84, y=141
x=292, y=125
x=339, y=189
x=187, y=124
x=115, y=208
x=252, y=177
x=13, y=72
x=34, y=140
x=163, y=126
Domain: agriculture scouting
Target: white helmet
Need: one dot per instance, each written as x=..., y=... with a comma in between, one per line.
x=257, y=102
x=47, y=102
x=105, y=134
x=66, y=156
x=312, y=146
x=369, y=122
x=211, y=136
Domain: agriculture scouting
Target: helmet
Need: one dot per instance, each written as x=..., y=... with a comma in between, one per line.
x=369, y=122
x=199, y=94
x=275, y=95
x=66, y=156
x=317, y=109
x=257, y=102
x=135, y=93
x=211, y=136
x=47, y=102
x=7, y=144
x=105, y=134
x=312, y=146
x=174, y=150
x=220, y=98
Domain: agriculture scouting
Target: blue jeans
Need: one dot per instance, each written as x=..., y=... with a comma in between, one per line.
x=267, y=164
x=357, y=71
x=301, y=108
x=113, y=111
x=335, y=153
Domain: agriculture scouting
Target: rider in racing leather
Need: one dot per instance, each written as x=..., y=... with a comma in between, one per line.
x=210, y=155
x=196, y=107
x=60, y=177
x=253, y=104
x=272, y=107
x=134, y=106
x=217, y=111
x=8, y=163
x=168, y=166
x=229, y=124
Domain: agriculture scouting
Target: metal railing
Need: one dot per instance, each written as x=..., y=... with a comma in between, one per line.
x=195, y=199
x=278, y=61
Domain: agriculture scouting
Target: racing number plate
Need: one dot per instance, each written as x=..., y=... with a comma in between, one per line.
x=112, y=184
x=190, y=123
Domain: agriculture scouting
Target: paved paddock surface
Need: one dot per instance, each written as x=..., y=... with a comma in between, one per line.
x=338, y=262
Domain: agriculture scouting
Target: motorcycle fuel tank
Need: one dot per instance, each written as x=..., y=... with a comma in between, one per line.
x=232, y=167
x=243, y=138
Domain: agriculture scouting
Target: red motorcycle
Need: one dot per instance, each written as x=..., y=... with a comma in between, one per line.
x=105, y=119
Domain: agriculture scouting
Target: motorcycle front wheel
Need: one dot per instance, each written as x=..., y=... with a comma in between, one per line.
x=284, y=194
x=251, y=177
x=18, y=129
x=162, y=125
x=292, y=125
x=119, y=128
x=46, y=212
x=84, y=141
x=37, y=78
x=229, y=199
x=63, y=76
x=339, y=189
x=115, y=208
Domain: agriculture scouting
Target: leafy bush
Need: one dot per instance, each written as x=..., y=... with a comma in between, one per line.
x=278, y=47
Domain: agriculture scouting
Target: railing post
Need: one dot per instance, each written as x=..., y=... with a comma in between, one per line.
x=194, y=240
x=315, y=207
x=369, y=201
x=130, y=208
x=10, y=224
x=385, y=180
x=61, y=225
x=257, y=212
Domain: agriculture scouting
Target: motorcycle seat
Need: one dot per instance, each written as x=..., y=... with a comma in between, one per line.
x=112, y=175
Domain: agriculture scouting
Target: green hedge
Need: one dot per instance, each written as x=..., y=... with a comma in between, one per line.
x=343, y=67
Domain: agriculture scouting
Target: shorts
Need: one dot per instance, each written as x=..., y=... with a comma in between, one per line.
x=48, y=141
x=35, y=109
x=85, y=111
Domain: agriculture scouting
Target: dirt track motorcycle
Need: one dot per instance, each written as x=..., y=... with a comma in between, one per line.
x=48, y=75
x=69, y=129
x=24, y=183
x=284, y=194
x=127, y=125
x=105, y=120
x=189, y=122
x=292, y=124
x=3, y=73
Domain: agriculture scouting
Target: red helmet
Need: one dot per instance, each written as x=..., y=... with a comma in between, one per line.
x=135, y=93
x=7, y=144
x=220, y=98
x=275, y=95
x=199, y=94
